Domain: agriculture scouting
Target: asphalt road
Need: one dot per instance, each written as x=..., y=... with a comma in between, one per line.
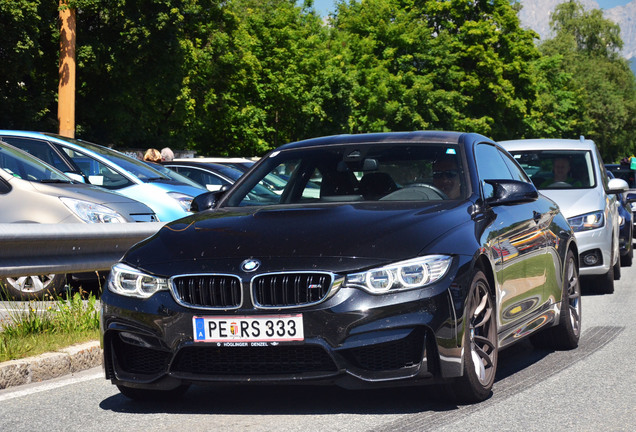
x=592, y=388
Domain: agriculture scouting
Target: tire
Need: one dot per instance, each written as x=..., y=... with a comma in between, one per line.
x=566, y=335
x=139, y=394
x=626, y=260
x=605, y=284
x=480, y=351
x=617, y=270
x=33, y=287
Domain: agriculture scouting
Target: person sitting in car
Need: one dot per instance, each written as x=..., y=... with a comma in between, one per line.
x=446, y=177
x=561, y=173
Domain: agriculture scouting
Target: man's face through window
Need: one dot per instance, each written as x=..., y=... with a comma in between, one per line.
x=446, y=177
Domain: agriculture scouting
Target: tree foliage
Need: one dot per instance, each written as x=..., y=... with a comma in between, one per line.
x=29, y=42
x=239, y=77
x=586, y=47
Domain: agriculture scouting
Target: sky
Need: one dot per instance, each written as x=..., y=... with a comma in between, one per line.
x=323, y=7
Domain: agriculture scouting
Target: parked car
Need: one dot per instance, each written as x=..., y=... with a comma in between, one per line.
x=215, y=177
x=572, y=173
x=210, y=175
x=173, y=174
x=110, y=169
x=424, y=254
x=239, y=163
x=626, y=230
x=274, y=181
x=33, y=192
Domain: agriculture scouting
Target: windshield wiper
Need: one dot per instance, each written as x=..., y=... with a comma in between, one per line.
x=55, y=181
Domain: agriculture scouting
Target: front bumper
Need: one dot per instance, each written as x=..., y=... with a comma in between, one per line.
x=354, y=340
x=600, y=242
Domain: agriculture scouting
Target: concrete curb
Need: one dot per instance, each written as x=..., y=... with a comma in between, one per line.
x=75, y=358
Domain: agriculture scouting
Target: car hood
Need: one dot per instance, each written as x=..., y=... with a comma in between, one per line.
x=156, y=195
x=93, y=194
x=575, y=202
x=325, y=237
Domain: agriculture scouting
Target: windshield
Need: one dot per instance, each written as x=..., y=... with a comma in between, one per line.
x=175, y=175
x=136, y=167
x=357, y=173
x=557, y=169
x=29, y=168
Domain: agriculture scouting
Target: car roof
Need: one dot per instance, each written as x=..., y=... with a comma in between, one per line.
x=441, y=137
x=548, y=144
x=214, y=160
x=229, y=173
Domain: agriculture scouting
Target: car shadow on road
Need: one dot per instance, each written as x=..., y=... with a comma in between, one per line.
x=310, y=400
x=287, y=400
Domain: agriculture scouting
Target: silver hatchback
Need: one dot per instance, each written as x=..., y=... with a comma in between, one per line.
x=572, y=174
x=34, y=192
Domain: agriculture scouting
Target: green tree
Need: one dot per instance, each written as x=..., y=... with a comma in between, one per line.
x=29, y=50
x=134, y=59
x=587, y=47
x=258, y=84
x=439, y=64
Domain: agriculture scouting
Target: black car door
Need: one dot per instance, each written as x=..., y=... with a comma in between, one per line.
x=520, y=241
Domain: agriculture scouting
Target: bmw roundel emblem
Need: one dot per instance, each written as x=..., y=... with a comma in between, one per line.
x=249, y=265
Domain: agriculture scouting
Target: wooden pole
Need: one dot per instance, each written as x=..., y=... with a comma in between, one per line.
x=66, y=89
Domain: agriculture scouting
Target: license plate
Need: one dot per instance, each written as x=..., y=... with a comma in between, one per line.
x=267, y=328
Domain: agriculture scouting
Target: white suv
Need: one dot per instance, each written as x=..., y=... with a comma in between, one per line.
x=572, y=174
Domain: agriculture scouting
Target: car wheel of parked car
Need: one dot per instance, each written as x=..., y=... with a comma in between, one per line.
x=617, y=269
x=627, y=259
x=152, y=395
x=566, y=334
x=480, y=344
x=604, y=284
x=33, y=287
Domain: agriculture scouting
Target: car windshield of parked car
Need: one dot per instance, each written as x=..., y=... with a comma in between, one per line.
x=138, y=168
x=558, y=169
x=20, y=165
x=358, y=173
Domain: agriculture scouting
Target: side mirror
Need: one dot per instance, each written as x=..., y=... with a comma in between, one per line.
x=617, y=186
x=205, y=201
x=511, y=192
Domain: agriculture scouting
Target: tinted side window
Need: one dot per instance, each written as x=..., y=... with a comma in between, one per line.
x=202, y=177
x=515, y=170
x=40, y=149
x=490, y=166
x=604, y=177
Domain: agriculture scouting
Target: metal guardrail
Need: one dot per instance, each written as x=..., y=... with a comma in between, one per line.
x=27, y=249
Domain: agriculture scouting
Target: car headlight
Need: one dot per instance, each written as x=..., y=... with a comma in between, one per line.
x=414, y=273
x=184, y=200
x=91, y=212
x=587, y=221
x=131, y=282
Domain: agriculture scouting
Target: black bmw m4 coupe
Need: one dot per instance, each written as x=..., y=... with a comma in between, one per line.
x=386, y=259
